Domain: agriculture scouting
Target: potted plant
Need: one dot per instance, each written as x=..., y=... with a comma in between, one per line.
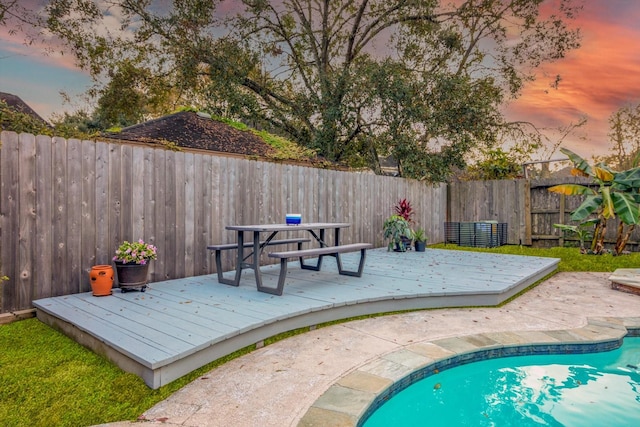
x=132, y=264
x=404, y=209
x=420, y=239
x=101, y=280
x=398, y=231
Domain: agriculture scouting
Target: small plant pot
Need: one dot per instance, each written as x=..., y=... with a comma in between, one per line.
x=421, y=246
x=101, y=277
x=404, y=245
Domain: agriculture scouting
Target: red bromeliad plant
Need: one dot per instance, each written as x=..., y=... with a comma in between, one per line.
x=404, y=209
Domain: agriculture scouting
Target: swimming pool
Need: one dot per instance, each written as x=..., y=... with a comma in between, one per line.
x=563, y=389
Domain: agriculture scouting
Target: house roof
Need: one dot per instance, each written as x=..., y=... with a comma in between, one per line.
x=192, y=130
x=18, y=104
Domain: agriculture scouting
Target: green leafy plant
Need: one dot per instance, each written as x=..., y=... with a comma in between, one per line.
x=583, y=231
x=616, y=195
x=419, y=235
x=138, y=252
x=395, y=229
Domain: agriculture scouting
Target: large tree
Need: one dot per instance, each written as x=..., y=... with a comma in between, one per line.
x=353, y=79
x=624, y=132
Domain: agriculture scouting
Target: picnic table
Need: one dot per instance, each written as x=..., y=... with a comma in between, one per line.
x=256, y=247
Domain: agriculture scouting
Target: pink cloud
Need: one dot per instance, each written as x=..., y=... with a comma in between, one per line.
x=597, y=79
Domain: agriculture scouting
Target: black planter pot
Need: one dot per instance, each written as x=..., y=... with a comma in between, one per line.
x=132, y=275
x=421, y=246
x=406, y=243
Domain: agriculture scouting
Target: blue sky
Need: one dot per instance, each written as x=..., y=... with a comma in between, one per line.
x=38, y=81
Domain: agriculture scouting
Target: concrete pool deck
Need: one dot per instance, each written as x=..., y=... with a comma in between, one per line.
x=289, y=383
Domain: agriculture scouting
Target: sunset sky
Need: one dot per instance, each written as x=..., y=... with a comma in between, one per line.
x=598, y=79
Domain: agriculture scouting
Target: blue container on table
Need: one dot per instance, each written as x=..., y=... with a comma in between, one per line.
x=293, y=219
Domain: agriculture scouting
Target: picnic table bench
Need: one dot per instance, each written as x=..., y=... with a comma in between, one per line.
x=229, y=246
x=334, y=251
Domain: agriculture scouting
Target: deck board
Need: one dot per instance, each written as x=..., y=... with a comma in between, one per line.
x=179, y=325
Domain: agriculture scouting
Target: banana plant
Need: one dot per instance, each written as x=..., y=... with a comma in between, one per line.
x=582, y=231
x=616, y=196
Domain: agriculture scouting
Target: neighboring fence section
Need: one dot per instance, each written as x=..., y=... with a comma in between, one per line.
x=504, y=201
x=65, y=205
x=528, y=208
x=550, y=208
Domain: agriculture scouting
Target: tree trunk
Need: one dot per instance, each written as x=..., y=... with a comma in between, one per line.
x=621, y=241
x=597, y=245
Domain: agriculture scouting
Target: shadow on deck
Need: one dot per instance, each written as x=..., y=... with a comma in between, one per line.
x=180, y=325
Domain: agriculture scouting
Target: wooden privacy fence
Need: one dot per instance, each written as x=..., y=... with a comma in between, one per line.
x=505, y=201
x=527, y=206
x=65, y=205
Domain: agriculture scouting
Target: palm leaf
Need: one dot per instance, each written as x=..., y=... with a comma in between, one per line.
x=589, y=206
x=603, y=174
x=571, y=189
x=579, y=163
x=626, y=208
x=565, y=227
x=629, y=178
x=608, y=210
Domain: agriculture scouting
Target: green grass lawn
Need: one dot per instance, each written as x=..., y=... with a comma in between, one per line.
x=47, y=379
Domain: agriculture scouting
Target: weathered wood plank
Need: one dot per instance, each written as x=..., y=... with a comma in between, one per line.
x=180, y=210
x=189, y=214
x=160, y=213
x=137, y=189
x=44, y=218
x=116, y=210
x=104, y=251
x=74, y=216
x=25, y=281
x=61, y=262
x=88, y=211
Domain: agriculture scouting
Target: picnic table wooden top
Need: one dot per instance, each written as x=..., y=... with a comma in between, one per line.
x=288, y=227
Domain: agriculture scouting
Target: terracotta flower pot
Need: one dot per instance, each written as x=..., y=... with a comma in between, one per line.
x=101, y=277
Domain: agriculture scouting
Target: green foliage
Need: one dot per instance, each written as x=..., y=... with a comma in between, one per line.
x=15, y=121
x=419, y=235
x=285, y=149
x=78, y=125
x=427, y=97
x=617, y=195
x=233, y=123
x=395, y=228
x=497, y=164
x=624, y=132
x=582, y=230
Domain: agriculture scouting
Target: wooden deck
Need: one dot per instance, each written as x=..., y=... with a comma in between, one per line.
x=180, y=325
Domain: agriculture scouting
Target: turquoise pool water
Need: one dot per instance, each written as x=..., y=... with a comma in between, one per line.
x=594, y=389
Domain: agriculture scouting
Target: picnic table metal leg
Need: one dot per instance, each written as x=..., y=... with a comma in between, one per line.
x=363, y=254
x=221, y=278
x=240, y=260
x=322, y=242
x=281, y=278
x=255, y=264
